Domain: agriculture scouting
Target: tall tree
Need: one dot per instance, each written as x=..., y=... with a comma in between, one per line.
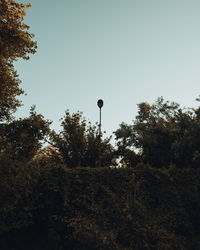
x=15, y=42
x=19, y=139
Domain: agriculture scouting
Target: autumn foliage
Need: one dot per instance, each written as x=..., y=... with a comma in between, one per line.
x=15, y=42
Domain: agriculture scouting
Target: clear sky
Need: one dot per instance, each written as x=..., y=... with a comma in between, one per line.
x=122, y=51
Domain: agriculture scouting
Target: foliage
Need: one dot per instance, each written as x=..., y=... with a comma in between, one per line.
x=15, y=42
x=125, y=149
x=79, y=143
x=164, y=134
x=20, y=140
x=54, y=207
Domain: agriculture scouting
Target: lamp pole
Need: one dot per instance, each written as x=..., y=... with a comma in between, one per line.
x=100, y=105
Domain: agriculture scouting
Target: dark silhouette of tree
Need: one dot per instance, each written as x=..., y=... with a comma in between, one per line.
x=79, y=143
x=23, y=138
x=164, y=134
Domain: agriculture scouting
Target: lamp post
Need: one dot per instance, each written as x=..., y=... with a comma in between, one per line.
x=100, y=105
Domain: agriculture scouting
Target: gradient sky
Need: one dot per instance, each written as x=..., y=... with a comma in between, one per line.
x=122, y=51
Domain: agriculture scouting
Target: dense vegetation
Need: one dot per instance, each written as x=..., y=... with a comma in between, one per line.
x=54, y=207
x=53, y=193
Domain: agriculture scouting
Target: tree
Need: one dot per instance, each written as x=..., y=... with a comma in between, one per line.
x=164, y=134
x=15, y=42
x=20, y=140
x=154, y=131
x=78, y=142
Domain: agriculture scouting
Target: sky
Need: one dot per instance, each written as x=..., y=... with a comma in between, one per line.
x=122, y=51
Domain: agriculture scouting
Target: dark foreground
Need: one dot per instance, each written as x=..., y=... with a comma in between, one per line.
x=54, y=208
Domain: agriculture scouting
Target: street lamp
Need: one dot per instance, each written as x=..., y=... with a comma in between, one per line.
x=100, y=105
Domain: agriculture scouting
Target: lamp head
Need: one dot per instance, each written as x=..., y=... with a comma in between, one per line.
x=100, y=103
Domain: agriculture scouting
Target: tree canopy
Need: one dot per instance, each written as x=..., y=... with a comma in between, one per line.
x=79, y=143
x=15, y=42
x=163, y=134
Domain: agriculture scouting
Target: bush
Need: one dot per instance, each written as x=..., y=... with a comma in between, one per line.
x=53, y=207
